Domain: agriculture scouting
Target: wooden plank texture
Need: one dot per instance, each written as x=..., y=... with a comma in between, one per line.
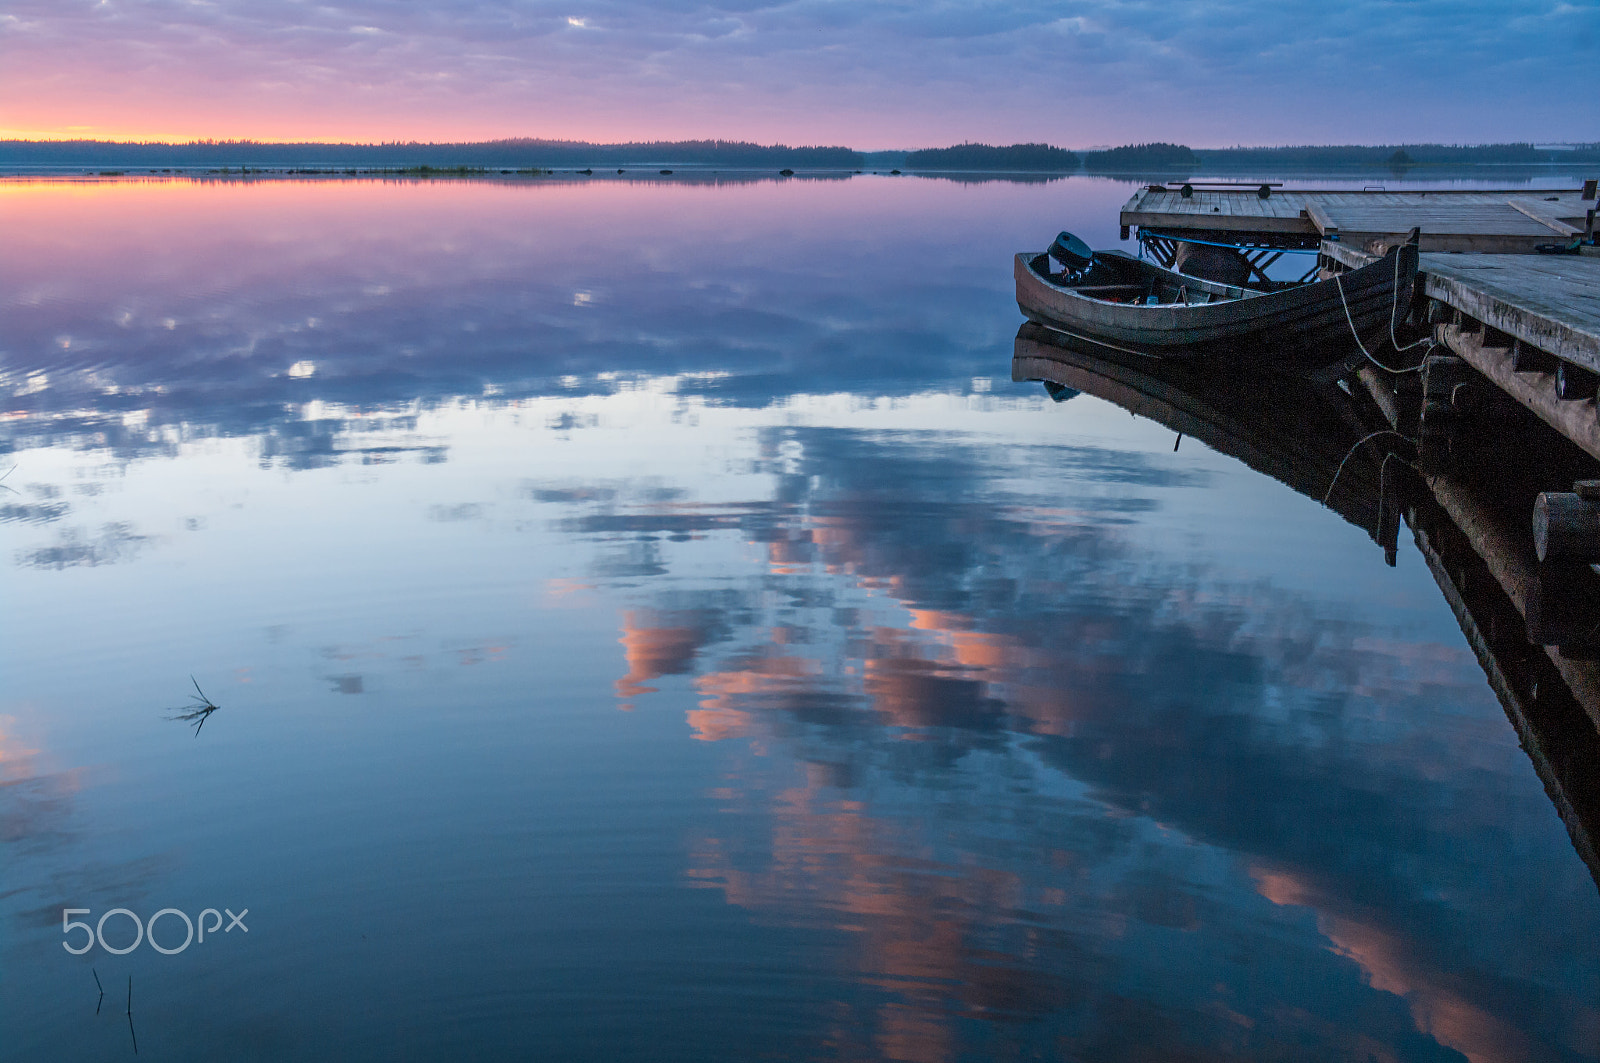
x=1539, y=213
x=1494, y=222
x=1550, y=301
x=1318, y=214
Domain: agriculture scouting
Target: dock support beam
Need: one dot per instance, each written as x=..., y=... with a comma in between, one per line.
x=1538, y=389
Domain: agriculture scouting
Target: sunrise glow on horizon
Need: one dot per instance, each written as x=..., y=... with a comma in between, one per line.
x=869, y=75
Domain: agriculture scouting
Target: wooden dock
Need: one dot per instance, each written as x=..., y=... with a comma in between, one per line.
x=1511, y=221
x=1458, y=452
x=1528, y=323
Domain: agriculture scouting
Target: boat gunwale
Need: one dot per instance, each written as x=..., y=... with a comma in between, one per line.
x=1369, y=294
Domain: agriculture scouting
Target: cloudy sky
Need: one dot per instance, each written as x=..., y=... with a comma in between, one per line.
x=865, y=73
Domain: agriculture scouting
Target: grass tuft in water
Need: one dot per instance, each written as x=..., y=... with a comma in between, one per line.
x=197, y=713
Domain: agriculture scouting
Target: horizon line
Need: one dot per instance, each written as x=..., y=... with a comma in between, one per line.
x=13, y=137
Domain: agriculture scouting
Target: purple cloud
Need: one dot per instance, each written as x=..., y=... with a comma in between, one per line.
x=871, y=73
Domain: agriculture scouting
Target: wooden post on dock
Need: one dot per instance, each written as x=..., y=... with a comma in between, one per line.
x=1566, y=526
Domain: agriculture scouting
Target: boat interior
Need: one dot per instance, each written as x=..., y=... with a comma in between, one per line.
x=1118, y=277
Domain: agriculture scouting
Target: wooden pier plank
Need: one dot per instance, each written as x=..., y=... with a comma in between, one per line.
x=1320, y=217
x=1539, y=213
x=1549, y=301
x=1205, y=209
x=1508, y=221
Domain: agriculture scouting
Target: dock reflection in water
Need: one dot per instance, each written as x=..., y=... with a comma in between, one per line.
x=1367, y=461
x=959, y=724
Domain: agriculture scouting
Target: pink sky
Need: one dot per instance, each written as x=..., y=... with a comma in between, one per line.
x=864, y=73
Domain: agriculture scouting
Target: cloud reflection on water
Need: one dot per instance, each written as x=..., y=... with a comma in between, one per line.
x=199, y=306
x=1222, y=718
x=1053, y=779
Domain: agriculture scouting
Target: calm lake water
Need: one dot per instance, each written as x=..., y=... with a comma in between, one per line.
x=648, y=623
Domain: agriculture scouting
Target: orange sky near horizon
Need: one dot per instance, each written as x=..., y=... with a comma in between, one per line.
x=186, y=118
x=870, y=74
x=197, y=114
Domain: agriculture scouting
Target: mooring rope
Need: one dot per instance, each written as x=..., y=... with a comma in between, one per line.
x=1394, y=303
x=1394, y=308
x=1344, y=300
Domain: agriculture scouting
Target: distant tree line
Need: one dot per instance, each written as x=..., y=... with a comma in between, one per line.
x=527, y=154
x=1392, y=155
x=517, y=153
x=989, y=157
x=1163, y=158
x=1138, y=158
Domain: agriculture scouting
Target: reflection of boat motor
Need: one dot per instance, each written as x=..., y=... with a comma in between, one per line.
x=1075, y=256
x=1060, y=392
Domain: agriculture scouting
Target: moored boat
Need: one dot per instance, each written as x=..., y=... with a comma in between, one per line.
x=1127, y=304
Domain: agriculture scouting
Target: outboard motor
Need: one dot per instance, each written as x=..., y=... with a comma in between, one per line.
x=1075, y=256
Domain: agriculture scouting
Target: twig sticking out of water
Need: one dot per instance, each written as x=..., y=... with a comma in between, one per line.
x=3, y=475
x=199, y=712
x=130, y=1010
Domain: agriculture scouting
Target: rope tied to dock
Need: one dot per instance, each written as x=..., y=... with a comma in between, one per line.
x=1394, y=308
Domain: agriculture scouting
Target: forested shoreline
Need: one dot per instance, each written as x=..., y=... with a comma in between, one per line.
x=528, y=154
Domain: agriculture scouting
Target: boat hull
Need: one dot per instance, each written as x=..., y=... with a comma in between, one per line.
x=1294, y=329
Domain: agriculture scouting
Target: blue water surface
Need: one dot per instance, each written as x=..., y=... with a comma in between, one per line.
x=649, y=623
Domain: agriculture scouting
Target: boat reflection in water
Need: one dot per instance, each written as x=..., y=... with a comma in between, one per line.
x=1534, y=628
